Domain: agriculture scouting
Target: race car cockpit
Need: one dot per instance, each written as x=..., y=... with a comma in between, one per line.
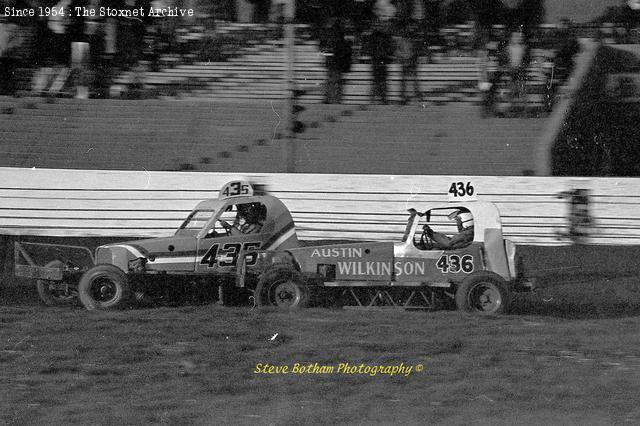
x=434, y=240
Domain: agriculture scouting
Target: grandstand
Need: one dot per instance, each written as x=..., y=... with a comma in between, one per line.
x=255, y=69
x=236, y=136
x=226, y=114
x=258, y=74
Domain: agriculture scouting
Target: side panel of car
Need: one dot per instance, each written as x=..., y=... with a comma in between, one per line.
x=172, y=254
x=221, y=254
x=382, y=262
x=115, y=254
x=370, y=261
x=414, y=265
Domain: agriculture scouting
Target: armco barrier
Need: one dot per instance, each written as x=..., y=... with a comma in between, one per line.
x=535, y=210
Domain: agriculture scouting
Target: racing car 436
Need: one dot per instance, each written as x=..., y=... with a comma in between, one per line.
x=477, y=276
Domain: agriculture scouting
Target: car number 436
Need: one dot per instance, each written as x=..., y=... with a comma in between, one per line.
x=452, y=263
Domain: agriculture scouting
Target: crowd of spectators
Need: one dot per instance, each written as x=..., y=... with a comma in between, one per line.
x=105, y=44
x=507, y=60
x=372, y=31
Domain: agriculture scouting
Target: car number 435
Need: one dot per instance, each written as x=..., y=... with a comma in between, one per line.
x=230, y=253
x=452, y=263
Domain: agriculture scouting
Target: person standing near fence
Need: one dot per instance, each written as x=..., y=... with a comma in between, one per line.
x=337, y=51
x=6, y=62
x=380, y=49
x=407, y=53
x=517, y=65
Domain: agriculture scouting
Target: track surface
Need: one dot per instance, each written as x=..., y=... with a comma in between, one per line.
x=558, y=358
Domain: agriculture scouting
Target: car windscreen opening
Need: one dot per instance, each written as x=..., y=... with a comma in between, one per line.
x=197, y=219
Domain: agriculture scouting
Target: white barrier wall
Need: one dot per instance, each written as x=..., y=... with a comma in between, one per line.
x=142, y=204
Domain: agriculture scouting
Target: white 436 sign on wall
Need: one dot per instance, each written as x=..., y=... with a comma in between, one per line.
x=462, y=190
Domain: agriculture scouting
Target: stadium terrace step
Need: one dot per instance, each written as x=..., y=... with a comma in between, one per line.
x=258, y=72
x=120, y=134
x=215, y=136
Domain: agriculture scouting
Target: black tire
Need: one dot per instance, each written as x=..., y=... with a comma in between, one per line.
x=483, y=293
x=51, y=296
x=283, y=287
x=104, y=287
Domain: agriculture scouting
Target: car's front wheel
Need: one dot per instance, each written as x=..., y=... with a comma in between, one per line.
x=283, y=287
x=483, y=293
x=104, y=287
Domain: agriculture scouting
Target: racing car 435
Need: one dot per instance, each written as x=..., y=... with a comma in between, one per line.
x=205, y=249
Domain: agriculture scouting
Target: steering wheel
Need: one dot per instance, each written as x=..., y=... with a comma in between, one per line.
x=425, y=240
x=227, y=227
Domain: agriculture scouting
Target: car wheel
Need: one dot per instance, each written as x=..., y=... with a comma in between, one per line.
x=482, y=293
x=104, y=287
x=282, y=287
x=56, y=293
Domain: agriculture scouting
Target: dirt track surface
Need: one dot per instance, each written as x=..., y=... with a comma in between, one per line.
x=557, y=359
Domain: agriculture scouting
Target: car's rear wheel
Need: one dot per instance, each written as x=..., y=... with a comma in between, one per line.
x=483, y=293
x=282, y=287
x=104, y=287
x=56, y=293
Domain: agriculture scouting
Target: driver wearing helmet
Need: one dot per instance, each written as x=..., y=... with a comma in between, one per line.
x=464, y=220
x=248, y=220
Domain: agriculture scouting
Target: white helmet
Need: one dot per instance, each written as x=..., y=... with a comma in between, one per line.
x=464, y=219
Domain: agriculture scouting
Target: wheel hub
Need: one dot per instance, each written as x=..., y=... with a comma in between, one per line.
x=104, y=290
x=485, y=298
x=285, y=294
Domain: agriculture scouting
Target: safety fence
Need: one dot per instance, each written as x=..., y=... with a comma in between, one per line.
x=534, y=210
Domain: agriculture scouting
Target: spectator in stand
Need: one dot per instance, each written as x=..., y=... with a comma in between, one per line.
x=407, y=52
x=380, y=49
x=6, y=62
x=568, y=48
x=76, y=24
x=491, y=77
x=384, y=10
x=61, y=42
x=337, y=51
x=100, y=61
x=485, y=83
x=261, y=10
x=517, y=52
x=433, y=23
x=5, y=35
x=77, y=30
